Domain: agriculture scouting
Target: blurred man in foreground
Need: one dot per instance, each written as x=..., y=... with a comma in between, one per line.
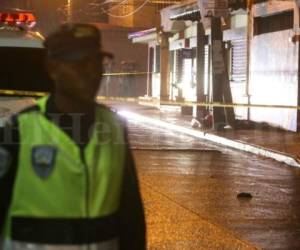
x=67, y=176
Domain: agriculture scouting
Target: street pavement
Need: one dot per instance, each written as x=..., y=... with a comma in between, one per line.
x=190, y=190
x=191, y=187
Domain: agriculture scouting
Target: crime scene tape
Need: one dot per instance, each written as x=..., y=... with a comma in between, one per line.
x=154, y=101
x=22, y=93
x=189, y=103
x=126, y=73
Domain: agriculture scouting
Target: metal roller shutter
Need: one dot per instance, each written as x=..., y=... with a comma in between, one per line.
x=206, y=70
x=239, y=61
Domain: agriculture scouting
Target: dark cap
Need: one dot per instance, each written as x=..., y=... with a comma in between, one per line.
x=72, y=42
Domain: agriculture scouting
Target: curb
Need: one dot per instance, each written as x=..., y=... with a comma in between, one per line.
x=254, y=149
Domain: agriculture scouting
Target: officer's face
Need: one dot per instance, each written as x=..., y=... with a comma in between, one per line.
x=79, y=80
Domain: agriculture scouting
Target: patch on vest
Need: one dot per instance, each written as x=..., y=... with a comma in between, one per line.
x=5, y=161
x=43, y=159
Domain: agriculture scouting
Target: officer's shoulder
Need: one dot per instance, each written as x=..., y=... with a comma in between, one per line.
x=113, y=112
x=13, y=119
x=107, y=109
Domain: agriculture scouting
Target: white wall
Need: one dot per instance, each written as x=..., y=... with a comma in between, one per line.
x=274, y=78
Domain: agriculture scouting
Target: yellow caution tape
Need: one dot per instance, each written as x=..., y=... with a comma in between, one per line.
x=192, y=104
x=156, y=101
x=122, y=99
x=127, y=73
x=22, y=93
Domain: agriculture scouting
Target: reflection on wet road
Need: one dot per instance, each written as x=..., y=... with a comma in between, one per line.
x=190, y=192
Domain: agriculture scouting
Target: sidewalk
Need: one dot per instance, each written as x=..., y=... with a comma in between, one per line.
x=282, y=146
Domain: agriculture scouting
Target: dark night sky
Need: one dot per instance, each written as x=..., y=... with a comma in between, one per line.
x=51, y=13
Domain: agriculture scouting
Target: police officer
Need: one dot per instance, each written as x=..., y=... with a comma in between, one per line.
x=67, y=176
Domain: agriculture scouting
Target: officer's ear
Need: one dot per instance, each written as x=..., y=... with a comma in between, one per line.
x=51, y=66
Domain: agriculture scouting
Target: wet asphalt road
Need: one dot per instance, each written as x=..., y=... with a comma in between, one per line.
x=190, y=188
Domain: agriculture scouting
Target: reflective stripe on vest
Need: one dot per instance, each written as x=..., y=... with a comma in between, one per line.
x=112, y=244
x=83, y=187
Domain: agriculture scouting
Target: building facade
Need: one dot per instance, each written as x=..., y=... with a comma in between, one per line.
x=261, y=55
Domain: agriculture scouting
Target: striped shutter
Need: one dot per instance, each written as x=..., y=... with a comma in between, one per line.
x=207, y=72
x=239, y=61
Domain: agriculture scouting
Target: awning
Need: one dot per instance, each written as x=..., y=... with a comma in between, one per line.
x=143, y=36
x=141, y=33
x=185, y=12
x=191, y=15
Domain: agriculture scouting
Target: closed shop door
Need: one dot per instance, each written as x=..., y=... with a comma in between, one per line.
x=238, y=76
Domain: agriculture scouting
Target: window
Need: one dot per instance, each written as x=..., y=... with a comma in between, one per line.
x=273, y=23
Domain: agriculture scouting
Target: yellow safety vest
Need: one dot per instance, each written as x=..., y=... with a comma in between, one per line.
x=64, y=196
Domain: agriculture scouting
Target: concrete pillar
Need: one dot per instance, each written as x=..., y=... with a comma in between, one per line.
x=297, y=24
x=200, y=110
x=218, y=69
x=221, y=85
x=150, y=71
x=164, y=66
